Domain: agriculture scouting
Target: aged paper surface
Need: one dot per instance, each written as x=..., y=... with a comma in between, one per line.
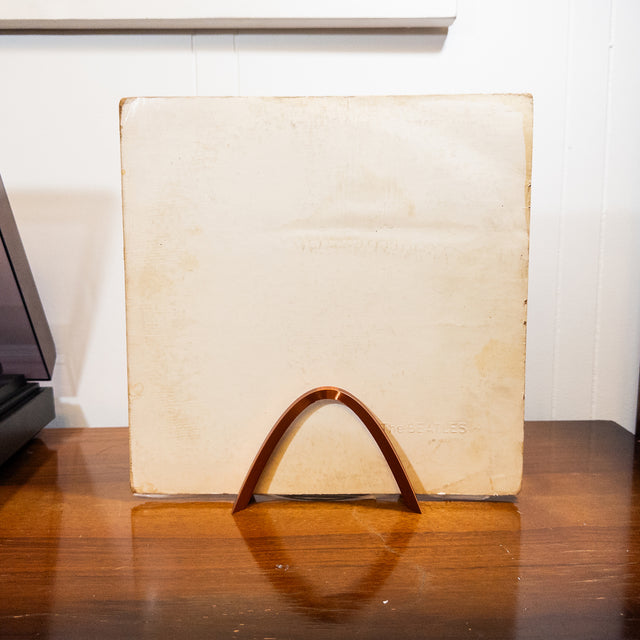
x=273, y=245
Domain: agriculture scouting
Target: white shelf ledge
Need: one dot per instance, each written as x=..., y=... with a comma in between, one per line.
x=224, y=14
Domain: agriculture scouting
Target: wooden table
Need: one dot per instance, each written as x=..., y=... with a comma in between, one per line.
x=80, y=557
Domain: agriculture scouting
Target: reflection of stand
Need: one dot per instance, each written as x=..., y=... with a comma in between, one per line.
x=303, y=572
x=25, y=408
x=294, y=410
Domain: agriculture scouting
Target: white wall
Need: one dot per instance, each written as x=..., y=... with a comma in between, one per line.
x=59, y=159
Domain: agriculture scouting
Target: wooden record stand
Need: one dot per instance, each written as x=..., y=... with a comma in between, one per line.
x=369, y=420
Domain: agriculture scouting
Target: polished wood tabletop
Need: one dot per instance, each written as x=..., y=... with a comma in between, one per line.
x=80, y=557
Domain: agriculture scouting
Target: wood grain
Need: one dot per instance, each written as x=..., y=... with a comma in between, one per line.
x=80, y=557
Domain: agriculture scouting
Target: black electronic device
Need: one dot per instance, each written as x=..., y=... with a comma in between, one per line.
x=27, y=352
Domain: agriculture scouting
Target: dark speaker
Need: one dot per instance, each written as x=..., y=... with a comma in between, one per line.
x=27, y=352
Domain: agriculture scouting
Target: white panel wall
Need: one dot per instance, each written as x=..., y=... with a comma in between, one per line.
x=617, y=340
x=60, y=162
x=580, y=208
x=580, y=60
